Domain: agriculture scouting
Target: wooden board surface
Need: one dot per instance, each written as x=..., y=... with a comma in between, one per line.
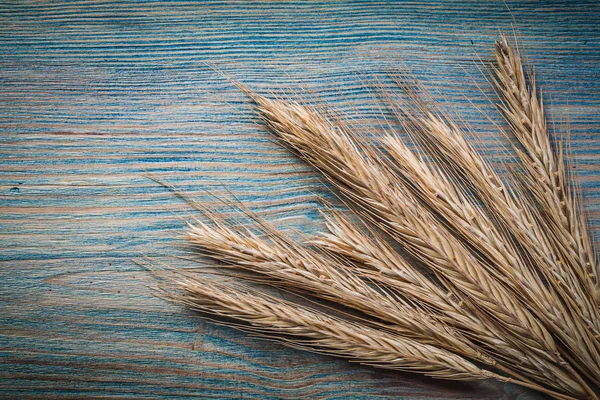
x=93, y=94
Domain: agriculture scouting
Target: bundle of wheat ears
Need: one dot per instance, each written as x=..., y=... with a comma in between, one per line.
x=457, y=272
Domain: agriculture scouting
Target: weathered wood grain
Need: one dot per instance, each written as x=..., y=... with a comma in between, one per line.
x=93, y=94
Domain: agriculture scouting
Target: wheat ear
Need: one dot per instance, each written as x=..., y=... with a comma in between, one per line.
x=366, y=183
x=300, y=327
x=546, y=179
x=523, y=108
x=376, y=260
x=380, y=263
x=576, y=330
x=435, y=188
x=293, y=266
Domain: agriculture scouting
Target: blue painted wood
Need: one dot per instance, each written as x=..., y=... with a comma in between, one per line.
x=93, y=94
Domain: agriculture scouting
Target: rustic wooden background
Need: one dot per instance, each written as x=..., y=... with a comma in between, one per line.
x=93, y=94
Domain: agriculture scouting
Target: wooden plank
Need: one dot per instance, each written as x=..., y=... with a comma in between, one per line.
x=93, y=94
